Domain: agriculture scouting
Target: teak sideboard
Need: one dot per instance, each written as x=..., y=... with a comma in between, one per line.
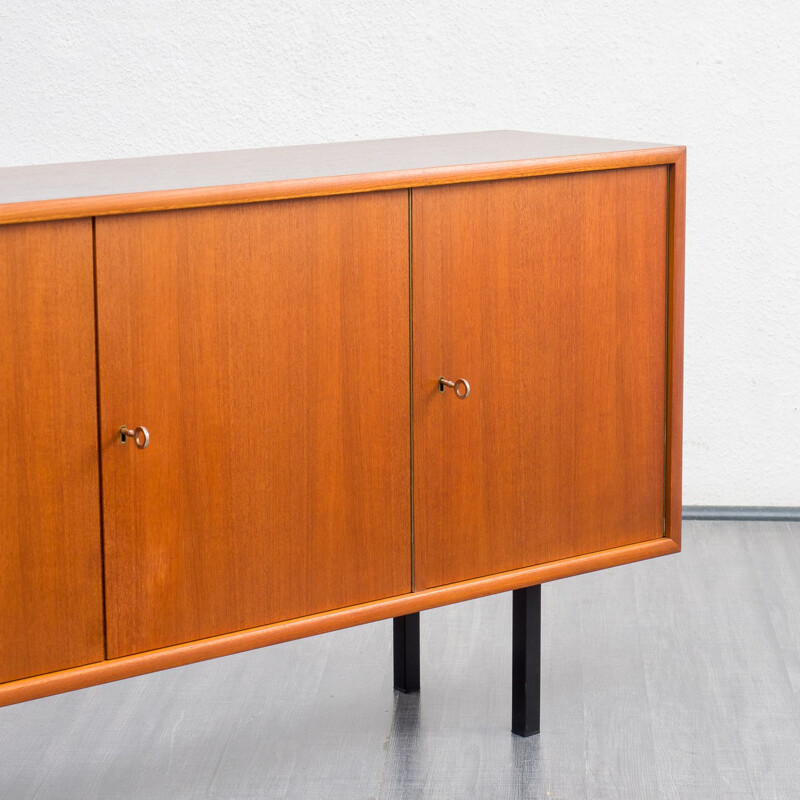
x=252, y=396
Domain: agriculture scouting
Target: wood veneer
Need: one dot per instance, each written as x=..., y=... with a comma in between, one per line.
x=191, y=301
x=549, y=295
x=54, y=191
x=265, y=347
x=51, y=607
x=191, y=652
x=675, y=304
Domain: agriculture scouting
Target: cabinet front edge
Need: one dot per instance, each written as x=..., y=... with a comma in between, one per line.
x=170, y=199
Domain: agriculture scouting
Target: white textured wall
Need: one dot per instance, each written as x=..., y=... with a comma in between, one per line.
x=88, y=81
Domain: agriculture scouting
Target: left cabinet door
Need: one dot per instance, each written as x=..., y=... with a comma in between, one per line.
x=51, y=600
x=265, y=348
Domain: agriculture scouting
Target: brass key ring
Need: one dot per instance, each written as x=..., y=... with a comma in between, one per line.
x=140, y=436
x=454, y=385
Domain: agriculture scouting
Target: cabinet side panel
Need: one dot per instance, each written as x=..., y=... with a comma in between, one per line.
x=51, y=606
x=266, y=349
x=549, y=296
x=677, y=227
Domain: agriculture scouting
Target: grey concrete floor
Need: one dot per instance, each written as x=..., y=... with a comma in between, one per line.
x=673, y=678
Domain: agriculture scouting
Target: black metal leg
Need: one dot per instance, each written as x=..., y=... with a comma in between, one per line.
x=406, y=653
x=526, y=660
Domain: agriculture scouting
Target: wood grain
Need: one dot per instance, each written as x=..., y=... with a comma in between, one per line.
x=204, y=179
x=196, y=303
x=51, y=606
x=677, y=233
x=549, y=296
x=266, y=349
x=165, y=658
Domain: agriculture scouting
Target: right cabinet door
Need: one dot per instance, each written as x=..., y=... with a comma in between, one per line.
x=549, y=296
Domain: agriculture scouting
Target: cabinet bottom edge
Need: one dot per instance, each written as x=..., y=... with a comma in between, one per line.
x=227, y=644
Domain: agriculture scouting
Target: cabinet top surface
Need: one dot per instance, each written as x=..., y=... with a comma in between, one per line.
x=321, y=168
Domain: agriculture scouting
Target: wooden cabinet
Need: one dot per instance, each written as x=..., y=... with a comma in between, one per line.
x=280, y=321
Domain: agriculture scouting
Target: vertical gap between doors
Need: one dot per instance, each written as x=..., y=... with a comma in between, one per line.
x=99, y=440
x=411, y=373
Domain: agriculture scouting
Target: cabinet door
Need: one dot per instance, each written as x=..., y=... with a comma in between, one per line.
x=265, y=347
x=548, y=295
x=51, y=602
